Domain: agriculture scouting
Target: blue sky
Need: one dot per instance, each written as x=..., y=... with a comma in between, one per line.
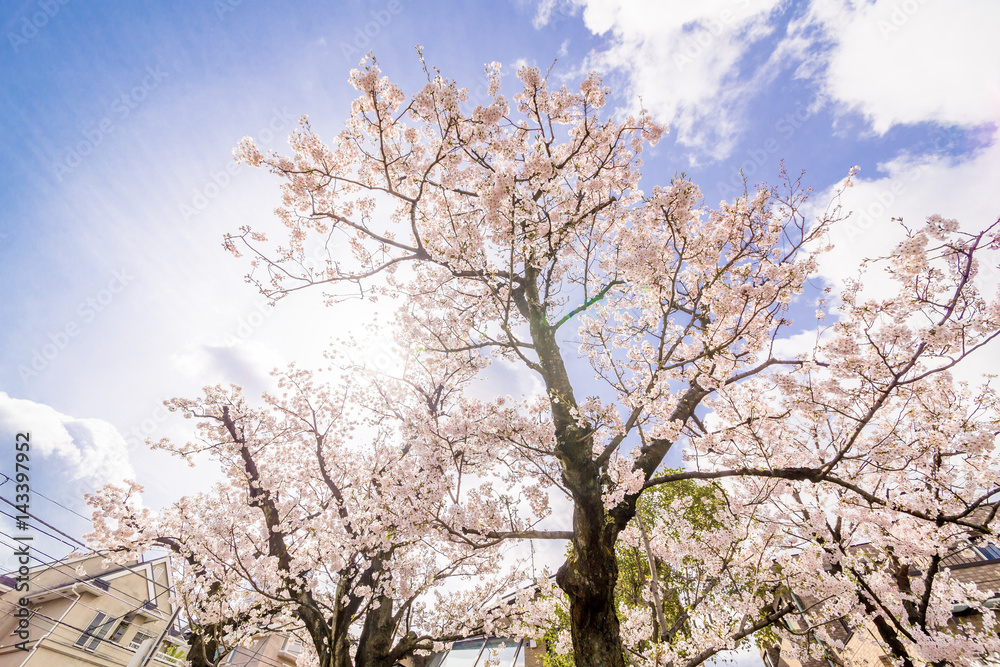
x=119, y=119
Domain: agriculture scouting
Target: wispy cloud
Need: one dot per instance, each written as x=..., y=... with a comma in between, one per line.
x=682, y=60
x=694, y=65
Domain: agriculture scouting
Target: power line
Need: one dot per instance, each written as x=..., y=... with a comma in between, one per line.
x=74, y=541
x=54, y=562
x=63, y=624
x=35, y=590
x=56, y=623
x=42, y=495
x=68, y=537
x=44, y=523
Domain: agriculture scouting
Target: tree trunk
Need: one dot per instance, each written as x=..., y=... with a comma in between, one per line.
x=339, y=656
x=202, y=653
x=375, y=642
x=885, y=630
x=590, y=573
x=332, y=646
x=594, y=628
x=342, y=652
x=588, y=577
x=891, y=638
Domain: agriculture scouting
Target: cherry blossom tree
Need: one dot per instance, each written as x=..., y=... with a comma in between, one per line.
x=325, y=525
x=516, y=232
x=218, y=612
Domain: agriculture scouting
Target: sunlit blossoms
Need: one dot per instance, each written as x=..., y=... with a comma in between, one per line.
x=515, y=233
x=325, y=524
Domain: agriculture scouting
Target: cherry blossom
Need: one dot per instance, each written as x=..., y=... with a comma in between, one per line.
x=517, y=231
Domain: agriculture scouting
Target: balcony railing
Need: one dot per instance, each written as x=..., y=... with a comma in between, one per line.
x=160, y=656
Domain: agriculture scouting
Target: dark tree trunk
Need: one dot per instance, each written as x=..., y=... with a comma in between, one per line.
x=331, y=643
x=891, y=638
x=593, y=618
x=588, y=577
x=342, y=652
x=202, y=653
x=336, y=652
x=590, y=573
x=375, y=642
x=885, y=629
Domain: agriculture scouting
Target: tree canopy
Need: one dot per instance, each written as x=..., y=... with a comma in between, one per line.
x=517, y=232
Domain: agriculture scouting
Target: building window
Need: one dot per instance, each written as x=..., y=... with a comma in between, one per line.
x=292, y=645
x=499, y=651
x=117, y=637
x=989, y=551
x=465, y=654
x=96, y=632
x=138, y=639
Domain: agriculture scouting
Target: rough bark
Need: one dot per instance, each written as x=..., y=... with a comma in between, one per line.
x=202, y=651
x=588, y=577
x=375, y=642
x=590, y=574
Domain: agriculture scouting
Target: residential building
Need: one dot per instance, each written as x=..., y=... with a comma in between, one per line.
x=487, y=651
x=79, y=612
x=267, y=650
x=499, y=651
x=975, y=562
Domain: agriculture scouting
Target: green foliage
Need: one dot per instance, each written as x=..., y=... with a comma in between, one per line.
x=175, y=651
x=551, y=658
x=665, y=506
x=766, y=638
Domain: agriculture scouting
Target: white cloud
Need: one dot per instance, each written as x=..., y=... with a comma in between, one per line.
x=911, y=61
x=802, y=344
x=682, y=58
x=245, y=363
x=894, y=61
x=547, y=11
x=91, y=449
x=913, y=188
